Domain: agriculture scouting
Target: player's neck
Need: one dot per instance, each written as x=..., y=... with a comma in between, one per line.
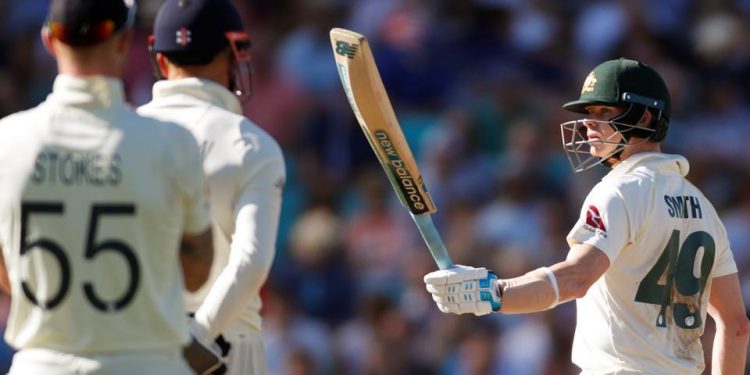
x=637, y=146
x=216, y=71
x=95, y=61
x=88, y=71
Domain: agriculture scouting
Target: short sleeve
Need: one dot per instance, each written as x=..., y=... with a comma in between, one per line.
x=724, y=263
x=604, y=221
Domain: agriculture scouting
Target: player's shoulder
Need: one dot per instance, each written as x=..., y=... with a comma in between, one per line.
x=176, y=143
x=178, y=136
x=259, y=144
x=166, y=110
x=635, y=181
x=249, y=127
x=21, y=128
x=163, y=127
x=629, y=189
x=171, y=107
x=147, y=109
x=26, y=116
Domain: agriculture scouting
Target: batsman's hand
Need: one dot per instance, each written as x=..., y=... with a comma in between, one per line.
x=463, y=289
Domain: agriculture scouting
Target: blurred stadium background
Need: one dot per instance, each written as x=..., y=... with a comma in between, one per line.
x=478, y=87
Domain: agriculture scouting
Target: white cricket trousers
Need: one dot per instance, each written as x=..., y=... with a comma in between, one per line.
x=51, y=362
x=247, y=355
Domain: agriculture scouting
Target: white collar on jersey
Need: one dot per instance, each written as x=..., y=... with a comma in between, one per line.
x=656, y=161
x=94, y=91
x=203, y=89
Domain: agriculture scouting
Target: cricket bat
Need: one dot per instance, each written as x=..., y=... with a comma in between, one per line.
x=369, y=101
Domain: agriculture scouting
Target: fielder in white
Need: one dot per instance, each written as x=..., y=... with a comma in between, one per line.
x=649, y=256
x=202, y=50
x=94, y=203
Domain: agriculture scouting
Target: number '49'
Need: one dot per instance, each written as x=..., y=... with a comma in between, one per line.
x=676, y=265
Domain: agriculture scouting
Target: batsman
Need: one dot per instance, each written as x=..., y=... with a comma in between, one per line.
x=649, y=256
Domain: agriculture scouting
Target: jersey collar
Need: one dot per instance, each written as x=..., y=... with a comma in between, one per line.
x=90, y=91
x=656, y=161
x=202, y=89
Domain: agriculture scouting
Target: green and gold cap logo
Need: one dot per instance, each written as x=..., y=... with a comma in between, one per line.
x=589, y=83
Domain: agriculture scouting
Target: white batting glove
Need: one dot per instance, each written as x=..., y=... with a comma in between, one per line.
x=463, y=289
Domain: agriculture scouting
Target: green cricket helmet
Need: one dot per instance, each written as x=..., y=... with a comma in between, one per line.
x=628, y=84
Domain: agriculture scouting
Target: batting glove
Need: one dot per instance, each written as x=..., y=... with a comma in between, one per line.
x=463, y=289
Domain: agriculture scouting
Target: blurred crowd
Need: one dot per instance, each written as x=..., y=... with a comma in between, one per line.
x=477, y=86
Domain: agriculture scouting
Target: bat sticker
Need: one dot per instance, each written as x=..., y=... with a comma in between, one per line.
x=346, y=49
x=406, y=183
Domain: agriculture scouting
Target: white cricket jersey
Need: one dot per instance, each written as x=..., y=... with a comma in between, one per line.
x=93, y=202
x=245, y=171
x=665, y=243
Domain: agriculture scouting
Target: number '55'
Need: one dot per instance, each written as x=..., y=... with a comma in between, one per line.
x=92, y=250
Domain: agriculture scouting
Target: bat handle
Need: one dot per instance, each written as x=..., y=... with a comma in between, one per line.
x=433, y=240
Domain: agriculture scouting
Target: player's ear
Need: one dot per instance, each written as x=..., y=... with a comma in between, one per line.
x=162, y=63
x=646, y=118
x=46, y=35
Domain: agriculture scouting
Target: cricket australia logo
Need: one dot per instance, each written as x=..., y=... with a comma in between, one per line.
x=346, y=49
x=589, y=83
x=183, y=36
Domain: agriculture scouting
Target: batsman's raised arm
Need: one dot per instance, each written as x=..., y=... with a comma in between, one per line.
x=465, y=289
x=544, y=288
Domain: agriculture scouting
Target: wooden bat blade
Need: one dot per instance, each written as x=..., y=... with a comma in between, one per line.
x=370, y=104
x=369, y=101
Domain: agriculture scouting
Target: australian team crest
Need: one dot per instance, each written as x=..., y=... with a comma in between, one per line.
x=589, y=83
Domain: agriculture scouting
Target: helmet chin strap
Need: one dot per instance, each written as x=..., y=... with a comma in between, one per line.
x=631, y=116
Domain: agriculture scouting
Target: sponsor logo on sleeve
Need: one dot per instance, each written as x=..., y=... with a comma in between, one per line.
x=594, y=222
